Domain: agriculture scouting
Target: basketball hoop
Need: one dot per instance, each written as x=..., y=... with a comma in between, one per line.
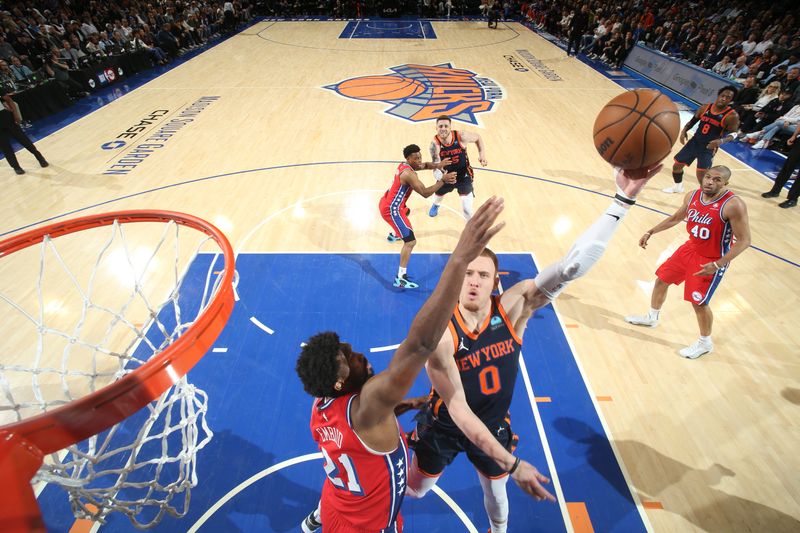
x=88, y=374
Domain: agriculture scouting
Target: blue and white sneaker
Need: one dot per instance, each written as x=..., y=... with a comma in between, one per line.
x=433, y=211
x=404, y=283
x=393, y=238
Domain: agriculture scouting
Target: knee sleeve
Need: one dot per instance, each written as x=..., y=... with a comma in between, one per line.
x=418, y=483
x=466, y=206
x=495, y=500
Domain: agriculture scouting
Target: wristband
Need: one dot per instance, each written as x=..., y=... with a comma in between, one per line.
x=514, y=468
x=624, y=199
x=437, y=174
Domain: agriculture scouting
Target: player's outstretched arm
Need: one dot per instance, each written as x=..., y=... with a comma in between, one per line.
x=382, y=393
x=585, y=252
x=674, y=219
x=446, y=380
x=410, y=177
x=472, y=137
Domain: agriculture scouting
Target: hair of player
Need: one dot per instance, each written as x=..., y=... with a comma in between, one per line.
x=722, y=169
x=443, y=117
x=410, y=149
x=730, y=88
x=318, y=365
x=491, y=255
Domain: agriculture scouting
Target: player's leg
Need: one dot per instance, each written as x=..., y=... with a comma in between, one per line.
x=590, y=246
x=703, y=345
x=405, y=255
x=494, y=479
x=438, y=198
x=434, y=449
x=698, y=291
x=704, y=161
x=657, y=299
x=467, y=194
x=683, y=158
x=420, y=482
x=313, y=522
x=495, y=501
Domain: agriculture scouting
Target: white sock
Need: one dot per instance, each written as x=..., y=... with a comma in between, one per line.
x=401, y=272
x=495, y=500
x=705, y=340
x=437, y=200
x=466, y=206
x=654, y=313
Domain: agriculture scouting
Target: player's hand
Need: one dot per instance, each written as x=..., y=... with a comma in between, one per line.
x=443, y=163
x=530, y=480
x=408, y=404
x=630, y=182
x=790, y=140
x=683, y=137
x=709, y=269
x=480, y=229
x=643, y=240
x=482, y=160
x=713, y=145
x=450, y=178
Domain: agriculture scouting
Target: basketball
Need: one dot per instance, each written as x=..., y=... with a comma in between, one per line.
x=637, y=129
x=380, y=87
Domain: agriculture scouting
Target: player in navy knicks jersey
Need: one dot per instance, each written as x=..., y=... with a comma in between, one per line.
x=714, y=216
x=718, y=124
x=452, y=144
x=476, y=362
x=352, y=416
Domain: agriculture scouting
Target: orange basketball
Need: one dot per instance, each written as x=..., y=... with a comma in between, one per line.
x=380, y=87
x=637, y=129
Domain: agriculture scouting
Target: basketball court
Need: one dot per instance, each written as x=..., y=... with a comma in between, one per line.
x=286, y=135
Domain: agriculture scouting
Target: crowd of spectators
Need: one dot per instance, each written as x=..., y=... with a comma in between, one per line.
x=42, y=40
x=755, y=45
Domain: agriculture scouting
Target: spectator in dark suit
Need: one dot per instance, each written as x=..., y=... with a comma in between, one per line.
x=9, y=127
x=578, y=26
x=166, y=41
x=792, y=163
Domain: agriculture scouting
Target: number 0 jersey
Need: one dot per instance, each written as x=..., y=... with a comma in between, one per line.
x=365, y=488
x=709, y=234
x=488, y=362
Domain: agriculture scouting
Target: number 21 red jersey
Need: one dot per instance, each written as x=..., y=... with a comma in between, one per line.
x=365, y=488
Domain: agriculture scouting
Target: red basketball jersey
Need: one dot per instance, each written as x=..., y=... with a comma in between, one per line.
x=709, y=234
x=394, y=199
x=364, y=487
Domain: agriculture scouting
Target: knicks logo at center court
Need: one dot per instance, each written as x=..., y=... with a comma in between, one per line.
x=422, y=92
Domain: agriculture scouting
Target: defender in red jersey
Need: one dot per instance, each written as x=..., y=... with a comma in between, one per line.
x=393, y=204
x=714, y=217
x=352, y=418
x=475, y=366
x=452, y=144
x=718, y=124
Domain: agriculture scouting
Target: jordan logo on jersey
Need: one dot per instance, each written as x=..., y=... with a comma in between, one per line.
x=461, y=345
x=418, y=93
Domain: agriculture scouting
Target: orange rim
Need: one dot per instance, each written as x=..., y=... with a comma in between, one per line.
x=95, y=412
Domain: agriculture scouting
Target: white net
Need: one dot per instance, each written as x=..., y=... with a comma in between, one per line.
x=101, y=303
